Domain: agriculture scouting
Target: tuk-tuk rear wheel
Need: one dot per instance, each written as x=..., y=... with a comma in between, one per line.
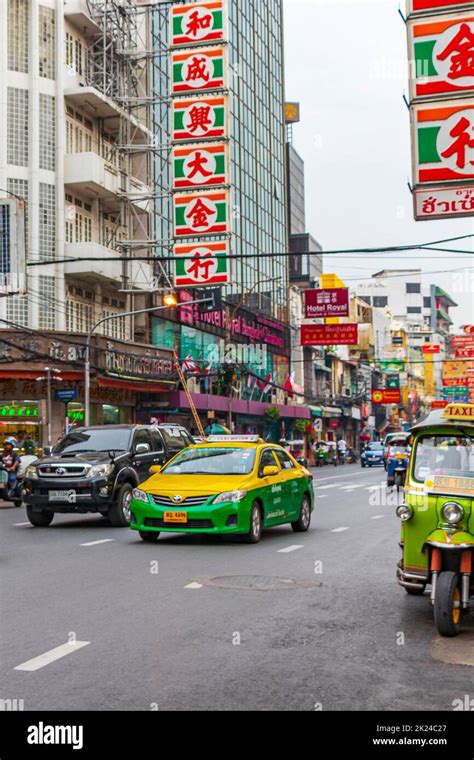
x=447, y=607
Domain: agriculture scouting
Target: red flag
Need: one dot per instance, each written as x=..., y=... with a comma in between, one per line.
x=288, y=386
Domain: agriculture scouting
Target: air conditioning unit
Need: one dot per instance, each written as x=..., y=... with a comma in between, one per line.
x=347, y=392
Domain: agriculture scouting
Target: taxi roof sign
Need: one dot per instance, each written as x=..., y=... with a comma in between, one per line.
x=234, y=438
x=459, y=412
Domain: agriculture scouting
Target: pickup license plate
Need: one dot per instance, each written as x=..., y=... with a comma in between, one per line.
x=68, y=495
x=175, y=517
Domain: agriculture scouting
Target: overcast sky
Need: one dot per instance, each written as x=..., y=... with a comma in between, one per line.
x=346, y=63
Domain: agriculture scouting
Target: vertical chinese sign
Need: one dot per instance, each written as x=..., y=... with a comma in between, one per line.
x=200, y=134
x=441, y=65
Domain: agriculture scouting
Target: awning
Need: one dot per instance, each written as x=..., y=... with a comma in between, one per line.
x=332, y=411
x=132, y=385
x=316, y=411
x=321, y=367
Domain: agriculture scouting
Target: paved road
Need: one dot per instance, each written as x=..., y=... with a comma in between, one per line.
x=160, y=637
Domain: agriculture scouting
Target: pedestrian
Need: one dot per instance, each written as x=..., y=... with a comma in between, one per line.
x=10, y=462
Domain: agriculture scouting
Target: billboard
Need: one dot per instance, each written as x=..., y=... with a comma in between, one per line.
x=443, y=141
x=201, y=213
x=441, y=55
x=197, y=70
x=201, y=264
x=381, y=396
x=200, y=165
x=12, y=247
x=197, y=23
x=329, y=335
x=330, y=302
x=199, y=118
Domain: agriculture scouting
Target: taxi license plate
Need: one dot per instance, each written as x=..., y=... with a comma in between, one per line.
x=175, y=517
x=68, y=495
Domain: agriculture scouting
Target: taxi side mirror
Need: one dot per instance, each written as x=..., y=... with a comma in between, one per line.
x=155, y=469
x=270, y=471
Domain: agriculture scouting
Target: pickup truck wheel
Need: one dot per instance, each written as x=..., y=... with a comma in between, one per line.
x=39, y=519
x=119, y=512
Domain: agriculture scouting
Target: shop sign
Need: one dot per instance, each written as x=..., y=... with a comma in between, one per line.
x=430, y=6
x=392, y=365
x=392, y=382
x=327, y=302
x=205, y=264
x=438, y=203
x=197, y=70
x=441, y=50
x=438, y=404
x=329, y=335
x=201, y=213
x=199, y=118
x=199, y=165
x=381, y=396
x=443, y=147
x=428, y=348
x=10, y=410
x=197, y=23
x=333, y=424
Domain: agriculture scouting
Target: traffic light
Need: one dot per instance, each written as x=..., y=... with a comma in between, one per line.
x=215, y=300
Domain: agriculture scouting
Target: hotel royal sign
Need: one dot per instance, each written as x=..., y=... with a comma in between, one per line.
x=200, y=150
x=441, y=64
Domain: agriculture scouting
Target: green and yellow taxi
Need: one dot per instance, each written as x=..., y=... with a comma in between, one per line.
x=437, y=530
x=225, y=485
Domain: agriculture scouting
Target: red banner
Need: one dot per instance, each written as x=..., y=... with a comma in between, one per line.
x=329, y=335
x=430, y=349
x=454, y=381
x=438, y=404
x=381, y=396
x=330, y=302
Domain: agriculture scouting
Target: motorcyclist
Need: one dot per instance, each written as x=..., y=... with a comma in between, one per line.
x=10, y=461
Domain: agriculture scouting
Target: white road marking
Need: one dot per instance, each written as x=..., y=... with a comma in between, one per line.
x=289, y=549
x=339, y=530
x=336, y=477
x=54, y=654
x=322, y=495
x=331, y=485
x=351, y=488
x=194, y=585
x=102, y=541
x=377, y=517
x=18, y=525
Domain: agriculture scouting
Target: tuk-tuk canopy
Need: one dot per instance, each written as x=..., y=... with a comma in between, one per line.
x=455, y=415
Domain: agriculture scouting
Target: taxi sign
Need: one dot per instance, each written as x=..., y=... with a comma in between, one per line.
x=234, y=438
x=459, y=412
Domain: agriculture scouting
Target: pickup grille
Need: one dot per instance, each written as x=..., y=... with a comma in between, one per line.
x=63, y=471
x=191, y=501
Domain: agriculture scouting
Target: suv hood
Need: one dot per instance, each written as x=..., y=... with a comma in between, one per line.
x=91, y=457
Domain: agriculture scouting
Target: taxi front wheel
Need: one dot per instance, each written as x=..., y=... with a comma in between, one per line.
x=447, y=606
x=303, y=522
x=148, y=537
x=256, y=525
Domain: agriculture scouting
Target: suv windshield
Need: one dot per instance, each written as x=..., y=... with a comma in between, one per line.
x=443, y=455
x=228, y=461
x=95, y=439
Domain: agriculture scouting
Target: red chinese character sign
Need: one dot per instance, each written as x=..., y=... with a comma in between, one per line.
x=197, y=23
x=429, y=6
x=197, y=69
x=443, y=141
x=329, y=335
x=200, y=165
x=204, y=264
x=202, y=213
x=441, y=55
x=199, y=118
x=330, y=302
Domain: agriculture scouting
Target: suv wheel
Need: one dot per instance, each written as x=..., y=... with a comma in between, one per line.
x=119, y=512
x=39, y=519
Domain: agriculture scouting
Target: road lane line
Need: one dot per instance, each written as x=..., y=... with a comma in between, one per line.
x=339, y=530
x=322, y=495
x=54, y=654
x=102, y=541
x=355, y=485
x=289, y=549
x=331, y=485
x=194, y=585
x=377, y=517
x=18, y=525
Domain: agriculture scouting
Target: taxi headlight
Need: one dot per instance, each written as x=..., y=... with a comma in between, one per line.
x=139, y=495
x=31, y=472
x=452, y=512
x=404, y=512
x=232, y=496
x=100, y=470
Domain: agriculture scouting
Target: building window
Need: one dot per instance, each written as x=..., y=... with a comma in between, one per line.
x=79, y=57
x=47, y=221
x=17, y=310
x=47, y=51
x=20, y=187
x=413, y=287
x=47, y=132
x=18, y=35
x=46, y=293
x=17, y=127
x=69, y=137
x=69, y=50
x=380, y=301
x=427, y=302
x=413, y=309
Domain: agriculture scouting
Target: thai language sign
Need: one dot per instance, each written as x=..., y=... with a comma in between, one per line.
x=437, y=203
x=330, y=302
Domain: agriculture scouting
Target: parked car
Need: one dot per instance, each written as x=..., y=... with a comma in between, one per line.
x=372, y=454
x=95, y=469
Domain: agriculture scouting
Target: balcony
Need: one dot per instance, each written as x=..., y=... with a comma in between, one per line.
x=90, y=174
x=90, y=101
x=138, y=274
x=77, y=13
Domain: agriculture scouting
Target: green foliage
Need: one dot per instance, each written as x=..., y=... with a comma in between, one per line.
x=272, y=412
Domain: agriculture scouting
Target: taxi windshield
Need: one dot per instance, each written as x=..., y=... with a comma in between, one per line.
x=443, y=455
x=212, y=461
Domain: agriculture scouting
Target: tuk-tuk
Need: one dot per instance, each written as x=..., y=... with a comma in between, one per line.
x=437, y=531
x=398, y=456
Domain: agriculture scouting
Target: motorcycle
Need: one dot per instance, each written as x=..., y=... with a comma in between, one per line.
x=437, y=528
x=14, y=493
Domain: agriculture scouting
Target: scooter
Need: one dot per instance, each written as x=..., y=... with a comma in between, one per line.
x=9, y=493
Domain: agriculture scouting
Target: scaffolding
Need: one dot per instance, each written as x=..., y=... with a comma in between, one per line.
x=127, y=62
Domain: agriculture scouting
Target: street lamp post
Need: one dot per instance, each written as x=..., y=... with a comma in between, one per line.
x=87, y=356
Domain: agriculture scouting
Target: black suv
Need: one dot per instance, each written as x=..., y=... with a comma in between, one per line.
x=95, y=469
